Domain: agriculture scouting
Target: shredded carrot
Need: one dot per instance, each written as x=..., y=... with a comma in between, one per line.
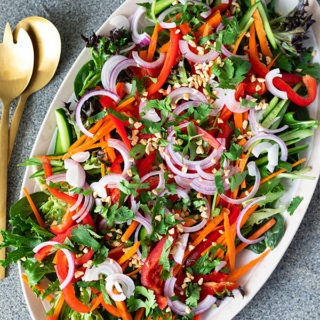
x=103, y=169
x=238, y=273
x=165, y=47
x=153, y=43
x=96, y=302
x=112, y=309
x=229, y=236
x=130, y=230
x=261, y=34
x=211, y=225
x=129, y=253
x=58, y=306
x=84, y=147
x=237, y=44
x=211, y=23
x=121, y=305
x=242, y=142
x=253, y=52
x=185, y=28
x=59, y=157
x=143, y=54
x=272, y=62
x=257, y=234
x=139, y=314
x=37, y=287
x=238, y=121
x=250, y=211
x=34, y=209
x=134, y=272
x=126, y=103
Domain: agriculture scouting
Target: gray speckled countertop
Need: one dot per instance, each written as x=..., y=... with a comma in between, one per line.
x=292, y=292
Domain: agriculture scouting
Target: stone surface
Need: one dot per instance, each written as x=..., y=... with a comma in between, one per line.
x=292, y=292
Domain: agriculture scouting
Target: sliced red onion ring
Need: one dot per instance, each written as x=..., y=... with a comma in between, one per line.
x=271, y=87
x=107, y=267
x=98, y=189
x=269, y=136
x=83, y=208
x=196, y=227
x=122, y=148
x=204, y=14
x=81, y=156
x=273, y=157
x=183, y=182
x=151, y=114
x=143, y=221
x=226, y=98
x=76, y=176
x=220, y=266
x=182, y=193
x=149, y=65
x=87, y=210
x=77, y=203
x=229, y=54
x=254, y=172
x=122, y=65
x=256, y=127
x=196, y=58
x=130, y=47
x=162, y=16
x=204, y=175
x=239, y=219
x=261, y=147
x=138, y=38
x=59, y=177
x=204, y=186
x=181, y=248
x=108, y=67
x=69, y=257
x=111, y=180
x=179, y=307
x=160, y=173
x=86, y=97
x=124, y=285
x=120, y=21
x=186, y=93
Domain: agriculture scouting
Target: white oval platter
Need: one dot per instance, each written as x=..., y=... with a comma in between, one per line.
x=305, y=188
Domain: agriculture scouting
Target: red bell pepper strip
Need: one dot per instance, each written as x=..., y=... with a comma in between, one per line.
x=73, y=302
x=309, y=82
x=121, y=130
x=151, y=270
x=145, y=164
x=169, y=62
x=116, y=165
x=65, y=224
x=291, y=78
x=46, y=166
x=217, y=288
x=78, y=261
x=214, y=143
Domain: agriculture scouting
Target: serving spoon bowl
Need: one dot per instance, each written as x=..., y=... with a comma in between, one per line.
x=16, y=66
x=47, y=49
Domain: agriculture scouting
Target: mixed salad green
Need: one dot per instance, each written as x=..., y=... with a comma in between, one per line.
x=172, y=160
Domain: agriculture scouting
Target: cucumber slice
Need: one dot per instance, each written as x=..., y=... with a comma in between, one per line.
x=64, y=134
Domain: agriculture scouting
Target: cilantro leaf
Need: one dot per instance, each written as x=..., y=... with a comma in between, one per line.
x=193, y=294
x=236, y=179
x=219, y=182
x=84, y=235
x=164, y=259
x=294, y=204
x=142, y=298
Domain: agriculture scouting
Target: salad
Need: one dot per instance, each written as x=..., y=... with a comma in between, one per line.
x=172, y=159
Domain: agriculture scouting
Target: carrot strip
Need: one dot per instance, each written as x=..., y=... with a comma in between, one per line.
x=84, y=147
x=250, y=211
x=51, y=157
x=96, y=302
x=139, y=314
x=261, y=34
x=58, y=306
x=130, y=230
x=185, y=29
x=103, y=169
x=235, y=275
x=237, y=44
x=165, y=47
x=211, y=225
x=228, y=233
x=238, y=121
x=253, y=52
x=128, y=254
x=126, y=103
x=143, y=54
x=112, y=310
x=121, y=305
x=153, y=43
x=133, y=272
x=272, y=62
x=212, y=23
x=34, y=209
x=37, y=287
x=257, y=234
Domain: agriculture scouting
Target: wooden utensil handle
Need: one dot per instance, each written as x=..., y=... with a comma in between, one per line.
x=4, y=130
x=15, y=122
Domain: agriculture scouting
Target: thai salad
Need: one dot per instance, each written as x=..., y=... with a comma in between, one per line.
x=172, y=158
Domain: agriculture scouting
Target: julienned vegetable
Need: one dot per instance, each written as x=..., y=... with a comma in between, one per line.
x=170, y=164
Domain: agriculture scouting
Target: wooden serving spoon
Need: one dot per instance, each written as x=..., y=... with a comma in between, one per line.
x=47, y=49
x=16, y=66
